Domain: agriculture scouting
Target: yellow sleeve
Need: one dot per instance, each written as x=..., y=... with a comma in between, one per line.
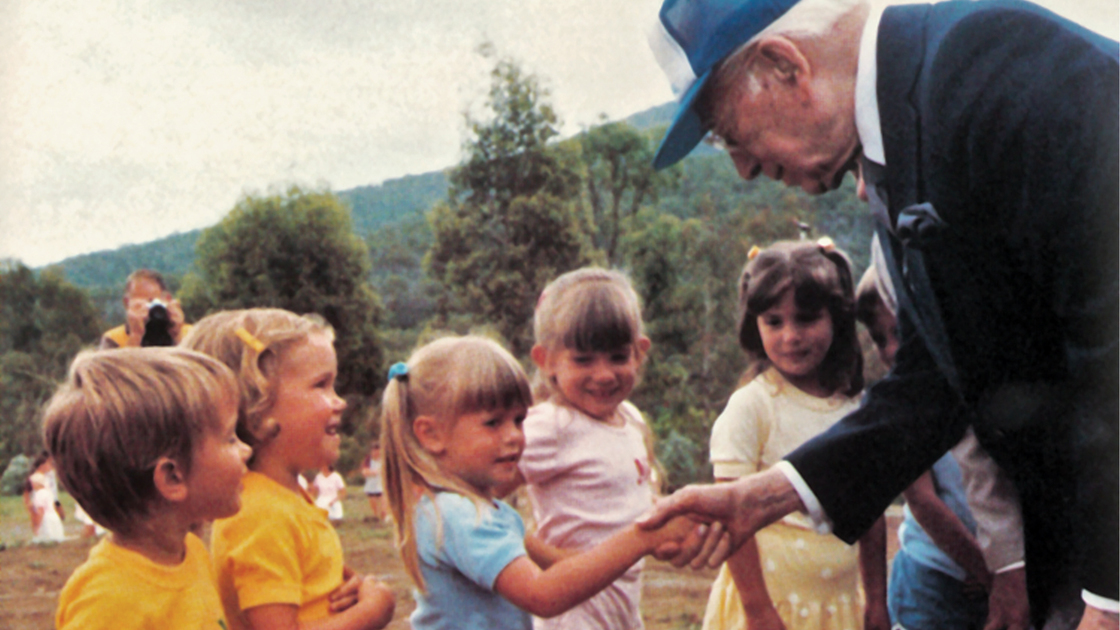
x=740, y=433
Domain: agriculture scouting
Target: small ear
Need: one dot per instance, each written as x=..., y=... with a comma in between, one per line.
x=266, y=430
x=430, y=434
x=539, y=355
x=643, y=345
x=170, y=479
x=784, y=59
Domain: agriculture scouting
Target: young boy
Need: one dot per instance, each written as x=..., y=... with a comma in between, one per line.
x=939, y=565
x=145, y=442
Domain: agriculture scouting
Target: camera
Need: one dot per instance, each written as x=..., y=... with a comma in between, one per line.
x=157, y=328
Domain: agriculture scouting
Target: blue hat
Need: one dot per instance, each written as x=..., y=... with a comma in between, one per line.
x=695, y=35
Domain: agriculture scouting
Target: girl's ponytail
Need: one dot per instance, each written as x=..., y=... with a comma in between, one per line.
x=844, y=362
x=396, y=454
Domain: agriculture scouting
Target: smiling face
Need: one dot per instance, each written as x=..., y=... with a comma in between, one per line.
x=217, y=466
x=796, y=342
x=307, y=409
x=483, y=447
x=594, y=382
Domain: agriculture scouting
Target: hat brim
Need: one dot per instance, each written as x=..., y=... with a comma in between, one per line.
x=686, y=131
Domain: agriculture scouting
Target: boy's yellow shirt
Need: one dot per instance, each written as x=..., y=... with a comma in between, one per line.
x=121, y=589
x=279, y=549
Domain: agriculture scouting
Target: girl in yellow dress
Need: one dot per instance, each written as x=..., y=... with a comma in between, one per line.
x=797, y=321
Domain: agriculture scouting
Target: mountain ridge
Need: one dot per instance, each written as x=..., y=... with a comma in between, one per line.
x=372, y=207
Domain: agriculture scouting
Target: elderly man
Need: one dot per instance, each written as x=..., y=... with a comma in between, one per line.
x=987, y=135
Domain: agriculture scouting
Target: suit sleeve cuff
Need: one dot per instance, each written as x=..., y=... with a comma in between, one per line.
x=820, y=520
x=1101, y=603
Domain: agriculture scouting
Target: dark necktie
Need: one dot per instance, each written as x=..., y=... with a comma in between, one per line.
x=902, y=239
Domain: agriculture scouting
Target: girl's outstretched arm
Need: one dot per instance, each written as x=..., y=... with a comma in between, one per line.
x=544, y=554
x=573, y=580
x=873, y=569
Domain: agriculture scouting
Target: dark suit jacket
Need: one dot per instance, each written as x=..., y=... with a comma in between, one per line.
x=1005, y=119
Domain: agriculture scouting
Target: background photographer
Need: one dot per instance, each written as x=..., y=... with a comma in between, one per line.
x=152, y=316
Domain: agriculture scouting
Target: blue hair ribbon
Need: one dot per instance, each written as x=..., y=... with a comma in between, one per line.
x=399, y=370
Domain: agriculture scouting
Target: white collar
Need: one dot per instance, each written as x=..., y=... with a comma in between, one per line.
x=867, y=103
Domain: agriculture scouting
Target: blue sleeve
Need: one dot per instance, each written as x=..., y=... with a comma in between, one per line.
x=479, y=544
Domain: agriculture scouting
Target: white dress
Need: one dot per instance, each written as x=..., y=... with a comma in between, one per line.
x=328, y=488
x=50, y=528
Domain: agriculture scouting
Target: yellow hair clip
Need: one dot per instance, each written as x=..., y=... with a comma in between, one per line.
x=826, y=244
x=755, y=251
x=250, y=340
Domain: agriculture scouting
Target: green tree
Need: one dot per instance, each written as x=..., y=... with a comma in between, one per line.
x=397, y=254
x=512, y=220
x=44, y=322
x=296, y=251
x=619, y=179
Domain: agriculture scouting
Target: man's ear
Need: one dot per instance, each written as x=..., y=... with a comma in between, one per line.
x=170, y=480
x=784, y=59
x=539, y=355
x=430, y=434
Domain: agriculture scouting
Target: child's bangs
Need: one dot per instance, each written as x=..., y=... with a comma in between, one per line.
x=812, y=296
x=490, y=382
x=599, y=321
x=766, y=289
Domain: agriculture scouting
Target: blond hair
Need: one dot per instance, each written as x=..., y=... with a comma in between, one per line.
x=121, y=410
x=591, y=310
x=588, y=310
x=445, y=379
x=251, y=342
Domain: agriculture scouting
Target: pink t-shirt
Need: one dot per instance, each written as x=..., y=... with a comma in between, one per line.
x=328, y=487
x=587, y=480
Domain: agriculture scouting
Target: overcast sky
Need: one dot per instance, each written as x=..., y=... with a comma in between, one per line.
x=122, y=121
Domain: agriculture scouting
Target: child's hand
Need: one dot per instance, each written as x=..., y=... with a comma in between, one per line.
x=764, y=618
x=675, y=531
x=346, y=595
x=376, y=601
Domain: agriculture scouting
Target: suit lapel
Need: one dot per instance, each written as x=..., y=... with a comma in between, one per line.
x=901, y=53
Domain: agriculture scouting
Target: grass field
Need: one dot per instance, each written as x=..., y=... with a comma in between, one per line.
x=32, y=575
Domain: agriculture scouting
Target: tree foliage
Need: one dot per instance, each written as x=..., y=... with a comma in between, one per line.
x=296, y=251
x=44, y=322
x=512, y=220
x=619, y=179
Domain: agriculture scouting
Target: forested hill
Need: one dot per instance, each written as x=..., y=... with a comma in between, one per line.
x=373, y=207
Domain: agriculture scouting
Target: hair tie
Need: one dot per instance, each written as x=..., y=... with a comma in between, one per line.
x=826, y=244
x=755, y=251
x=399, y=370
x=249, y=340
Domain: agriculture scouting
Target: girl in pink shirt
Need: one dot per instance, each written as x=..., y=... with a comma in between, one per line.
x=587, y=458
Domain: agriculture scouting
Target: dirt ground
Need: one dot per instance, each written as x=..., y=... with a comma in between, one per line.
x=31, y=575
